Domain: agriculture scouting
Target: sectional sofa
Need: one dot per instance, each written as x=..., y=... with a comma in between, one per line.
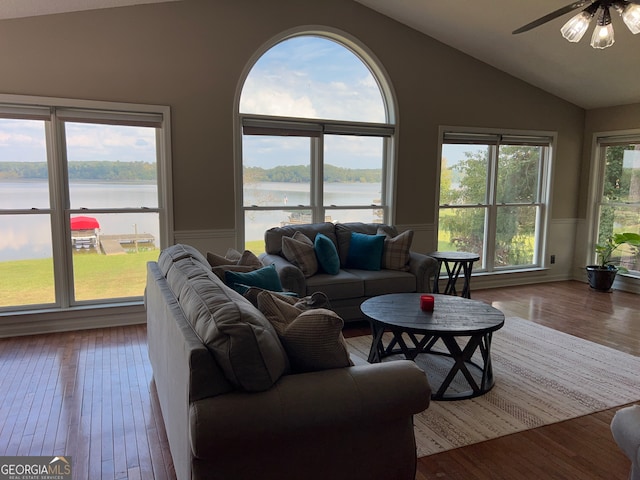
x=237, y=406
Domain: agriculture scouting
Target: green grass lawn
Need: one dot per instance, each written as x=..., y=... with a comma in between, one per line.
x=256, y=246
x=29, y=282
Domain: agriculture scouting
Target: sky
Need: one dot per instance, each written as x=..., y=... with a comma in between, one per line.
x=312, y=77
x=25, y=141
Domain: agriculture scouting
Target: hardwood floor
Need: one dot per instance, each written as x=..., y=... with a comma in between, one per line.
x=89, y=394
x=575, y=449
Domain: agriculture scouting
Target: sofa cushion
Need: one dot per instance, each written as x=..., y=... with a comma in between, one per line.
x=327, y=254
x=381, y=282
x=178, y=252
x=265, y=277
x=396, y=253
x=243, y=342
x=312, y=339
x=299, y=251
x=182, y=271
x=342, y=285
x=365, y=251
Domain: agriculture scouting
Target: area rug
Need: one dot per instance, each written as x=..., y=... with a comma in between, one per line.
x=542, y=376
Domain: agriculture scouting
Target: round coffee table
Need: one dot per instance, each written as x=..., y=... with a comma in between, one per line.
x=454, y=331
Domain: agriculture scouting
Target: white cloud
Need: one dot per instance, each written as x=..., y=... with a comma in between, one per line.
x=312, y=78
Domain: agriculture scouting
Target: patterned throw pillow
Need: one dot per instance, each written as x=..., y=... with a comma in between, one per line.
x=299, y=251
x=312, y=339
x=396, y=250
x=233, y=261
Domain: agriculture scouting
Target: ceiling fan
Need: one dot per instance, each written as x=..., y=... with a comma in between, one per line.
x=576, y=27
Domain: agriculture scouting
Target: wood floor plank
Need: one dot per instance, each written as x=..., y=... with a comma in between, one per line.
x=90, y=394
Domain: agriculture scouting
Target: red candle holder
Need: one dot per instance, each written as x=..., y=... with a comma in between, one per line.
x=427, y=303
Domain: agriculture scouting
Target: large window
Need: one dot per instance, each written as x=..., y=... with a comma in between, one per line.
x=316, y=138
x=493, y=197
x=618, y=199
x=82, y=203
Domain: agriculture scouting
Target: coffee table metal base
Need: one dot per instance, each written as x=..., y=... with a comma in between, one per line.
x=461, y=357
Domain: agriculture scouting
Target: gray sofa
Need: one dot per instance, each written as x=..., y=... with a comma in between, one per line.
x=351, y=286
x=232, y=407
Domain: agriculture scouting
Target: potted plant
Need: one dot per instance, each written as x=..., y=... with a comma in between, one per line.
x=601, y=276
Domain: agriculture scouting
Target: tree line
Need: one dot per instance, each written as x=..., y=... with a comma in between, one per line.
x=302, y=174
x=102, y=170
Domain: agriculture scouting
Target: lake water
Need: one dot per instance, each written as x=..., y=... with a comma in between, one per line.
x=287, y=195
x=29, y=236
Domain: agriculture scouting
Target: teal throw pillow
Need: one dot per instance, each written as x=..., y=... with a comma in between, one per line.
x=327, y=254
x=266, y=278
x=365, y=251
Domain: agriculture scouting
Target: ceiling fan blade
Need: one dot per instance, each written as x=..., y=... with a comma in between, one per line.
x=553, y=15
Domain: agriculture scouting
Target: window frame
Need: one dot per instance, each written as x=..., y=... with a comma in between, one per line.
x=317, y=128
x=493, y=138
x=600, y=141
x=55, y=112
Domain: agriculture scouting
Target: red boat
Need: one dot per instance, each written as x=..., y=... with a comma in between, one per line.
x=84, y=232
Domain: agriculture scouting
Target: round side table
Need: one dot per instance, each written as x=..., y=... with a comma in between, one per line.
x=455, y=262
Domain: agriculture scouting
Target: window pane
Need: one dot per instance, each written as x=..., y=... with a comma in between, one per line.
x=462, y=230
x=23, y=164
x=111, y=166
x=618, y=219
x=515, y=236
x=26, y=260
x=518, y=174
x=312, y=77
x=622, y=174
x=620, y=211
x=276, y=171
x=109, y=260
x=374, y=215
x=463, y=179
x=352, y=170
x=258, y=221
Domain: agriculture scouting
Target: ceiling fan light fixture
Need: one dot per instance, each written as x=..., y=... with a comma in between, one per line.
x=603, y=34
x=577, y=26
x=631, y=17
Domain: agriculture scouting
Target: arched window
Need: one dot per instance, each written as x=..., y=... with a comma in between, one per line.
x=317, y=128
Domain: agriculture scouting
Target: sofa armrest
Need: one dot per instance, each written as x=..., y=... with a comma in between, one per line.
x=306, y=404
x=291, y=277
x=424, y=268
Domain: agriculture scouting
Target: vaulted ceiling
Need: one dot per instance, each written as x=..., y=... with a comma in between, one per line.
x=585, y=76
x=576, y=72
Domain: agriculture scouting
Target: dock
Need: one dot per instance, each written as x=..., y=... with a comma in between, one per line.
x=114, y=244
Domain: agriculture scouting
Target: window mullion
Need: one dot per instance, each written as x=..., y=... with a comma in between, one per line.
x=60, y=230
x=492, y=209
x=317, y=179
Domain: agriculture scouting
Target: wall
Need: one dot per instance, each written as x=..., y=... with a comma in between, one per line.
x=191, y=54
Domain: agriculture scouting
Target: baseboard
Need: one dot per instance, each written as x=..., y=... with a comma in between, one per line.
x=39, y=322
